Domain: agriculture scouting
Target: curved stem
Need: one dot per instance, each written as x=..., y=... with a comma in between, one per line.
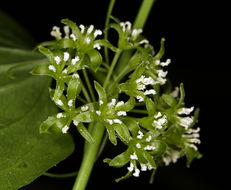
x=138, y=111
x=89, y=158
x=85, y=93
x=89, y=84
x=109, y=11
x=114, y=61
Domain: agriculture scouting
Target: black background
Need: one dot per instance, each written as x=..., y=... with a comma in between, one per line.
x=192, y=30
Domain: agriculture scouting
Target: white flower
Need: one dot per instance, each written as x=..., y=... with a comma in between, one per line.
x=90, y=29
x=65, y=129
x=131, y=167
x=163, y=64
x=157, y=62
x=100, y=102
x=59, y=102
x=126, y=26
x=136, y=33
x=66, y=31
x=140, y=98
x=171, y=156
x=138, y=145
x=87, y=40
x=113, y=102
x=148, y=92
x=98, y=112
x=65, y=71
x=140, y=79
x=75, y=123
x=97, y=46
x=140, y=135
x=160, y=122
x=148, y=147
x=161, y=80
x=185, y=121
x=56, y=32
x=134, y=156
x=121, y=113
x=82, y=28
x=149, y=139
x=144, y=41
x=175, y=93
x=148, y=81
x=161, y=73
x=149, y=166
x=97, y=32
x=185, y=111
x=59, y=115
x=73, y=37
x=73, y=61
x=117, y=121
x=84, y=108
x=109, y=121
x=143, y=167
x=52, y=68
x=57, y=59
x=120, y=103
x=136, y=173
x=141, y=87
x=75, y=75
x=157, y=115
x=66, y=56
x=70, y=103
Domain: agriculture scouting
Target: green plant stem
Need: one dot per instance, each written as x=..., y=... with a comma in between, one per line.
x=109, y=11
x=138, y=111
x=85, y=93
x=89, y=85
x=72, y=174
x=81, y=99
x=114, y=61
x=89, y=158
x=98, y=130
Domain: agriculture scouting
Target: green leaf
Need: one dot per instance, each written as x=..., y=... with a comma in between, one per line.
x=12, y=34
x=85, y=117
x=54, y=125
x=122, y=132
x=129, y=105
x=42, y=69
x=129, y=174
x=191, y=154
x=73, y=26
x=121, y=160
x=161, y=52
x=146, y=123
x=169, y=100
x=111, y=133
x=107, y=44
x=58, y=90
x=95, y=59
x=151, y=107
x=149, y=158
x=132, y=126
x=74, y=88
x=84, y=132
x=26, y=154
x=182, y=95
x=101, y=92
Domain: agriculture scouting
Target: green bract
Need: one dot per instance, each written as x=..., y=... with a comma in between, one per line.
x=161, y=134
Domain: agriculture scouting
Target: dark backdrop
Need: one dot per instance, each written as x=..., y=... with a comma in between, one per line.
x=191, y=42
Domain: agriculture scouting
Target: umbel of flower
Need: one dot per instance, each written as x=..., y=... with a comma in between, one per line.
x=162, y=135
x=129, y=38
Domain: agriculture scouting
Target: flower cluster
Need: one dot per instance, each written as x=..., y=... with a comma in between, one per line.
x=161, y=134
